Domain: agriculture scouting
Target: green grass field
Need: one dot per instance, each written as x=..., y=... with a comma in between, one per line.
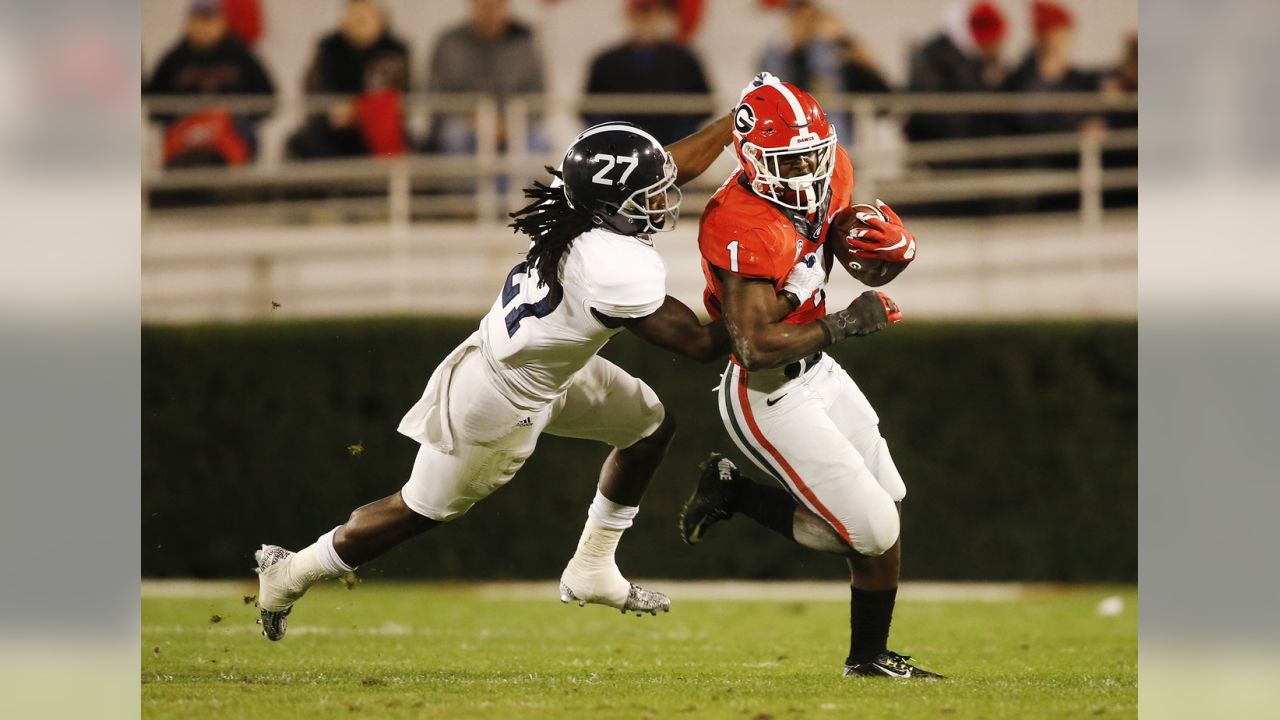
x=429, y=650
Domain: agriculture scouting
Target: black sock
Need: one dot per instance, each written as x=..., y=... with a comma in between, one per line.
x=870, y=612
x=772, y=507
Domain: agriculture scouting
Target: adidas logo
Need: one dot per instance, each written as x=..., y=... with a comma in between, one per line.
x=525, y=422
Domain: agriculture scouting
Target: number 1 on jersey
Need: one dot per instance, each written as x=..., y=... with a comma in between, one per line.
x=733, y=256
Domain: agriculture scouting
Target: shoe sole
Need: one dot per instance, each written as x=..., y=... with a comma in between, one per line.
x=690, y=536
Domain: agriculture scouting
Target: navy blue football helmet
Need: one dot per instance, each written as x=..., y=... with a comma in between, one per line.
x=624, y=177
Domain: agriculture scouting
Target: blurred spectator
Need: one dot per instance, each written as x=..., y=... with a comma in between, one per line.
x=362, y=59
x=821, y=57
x=1048, y=68
x=650, y=61
x=860, y=71
x=490, y=53
x=209, y=61
x=688, y=17
x=244, y=18
x=1123, y=79
x=963, y=58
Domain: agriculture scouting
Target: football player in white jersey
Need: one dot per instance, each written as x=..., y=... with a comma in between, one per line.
x=591, y=271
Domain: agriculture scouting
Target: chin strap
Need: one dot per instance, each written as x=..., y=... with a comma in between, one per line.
x=810, y=196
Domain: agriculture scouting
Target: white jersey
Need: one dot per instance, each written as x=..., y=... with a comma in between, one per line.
x=535, y=345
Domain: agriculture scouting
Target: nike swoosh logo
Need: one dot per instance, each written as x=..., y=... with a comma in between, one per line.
x=902, y=240
x=890, y=673
x=773, y=401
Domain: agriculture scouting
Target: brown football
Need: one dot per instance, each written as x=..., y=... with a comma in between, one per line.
x=845, y=222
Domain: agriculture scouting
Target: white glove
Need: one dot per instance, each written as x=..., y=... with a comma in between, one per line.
x=806, y=278
x=761, y=79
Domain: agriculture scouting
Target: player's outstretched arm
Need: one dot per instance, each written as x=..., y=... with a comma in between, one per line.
x=675, y=327
x=694, y=154
x=760, y=340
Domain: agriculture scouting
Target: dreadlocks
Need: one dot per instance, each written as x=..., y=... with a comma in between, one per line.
x=552, y=224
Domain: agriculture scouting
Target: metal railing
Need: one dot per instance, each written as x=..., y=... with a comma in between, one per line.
x=895, y=169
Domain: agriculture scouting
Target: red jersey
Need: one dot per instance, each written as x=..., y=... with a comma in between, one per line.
x=746, y=234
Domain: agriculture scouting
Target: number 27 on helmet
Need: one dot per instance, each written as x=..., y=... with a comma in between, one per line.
x=624, y=177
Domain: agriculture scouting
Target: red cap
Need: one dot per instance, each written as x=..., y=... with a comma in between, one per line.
x=986, y=22
x=1047, y=16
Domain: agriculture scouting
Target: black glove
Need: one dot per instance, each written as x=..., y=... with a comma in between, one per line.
x=870, y=312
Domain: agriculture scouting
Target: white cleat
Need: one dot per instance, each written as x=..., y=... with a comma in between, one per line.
x=646, y=601
x=638, y=600
x=567, y=596
x=274, y=602
x=593, y=577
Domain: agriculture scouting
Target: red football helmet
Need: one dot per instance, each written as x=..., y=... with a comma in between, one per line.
x=775, y=126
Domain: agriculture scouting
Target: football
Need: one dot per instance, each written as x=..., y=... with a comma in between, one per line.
x=845, y=222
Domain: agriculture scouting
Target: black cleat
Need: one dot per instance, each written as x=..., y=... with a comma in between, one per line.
x=710, y=501
x=889, y=664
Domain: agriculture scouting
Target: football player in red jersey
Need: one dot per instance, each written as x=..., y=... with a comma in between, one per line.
x=789, y=407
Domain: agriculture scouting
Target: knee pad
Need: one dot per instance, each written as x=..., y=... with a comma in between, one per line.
x=876, y=529
x=646, y=425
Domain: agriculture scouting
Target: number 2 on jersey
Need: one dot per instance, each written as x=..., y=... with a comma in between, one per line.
x=540, y=309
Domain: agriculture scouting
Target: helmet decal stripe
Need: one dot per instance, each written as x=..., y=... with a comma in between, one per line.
x=794, y=102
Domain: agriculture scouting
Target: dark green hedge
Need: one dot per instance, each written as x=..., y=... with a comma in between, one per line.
x=1018, y=443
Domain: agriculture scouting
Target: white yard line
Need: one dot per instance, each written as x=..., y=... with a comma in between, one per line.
x=197, y=588
x=741, y=590
x=390, y=629
x=797, y=590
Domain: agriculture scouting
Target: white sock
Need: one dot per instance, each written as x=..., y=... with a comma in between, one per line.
x=593, y=574
x=610, y=514
x=329, y=559
x=317, y=561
